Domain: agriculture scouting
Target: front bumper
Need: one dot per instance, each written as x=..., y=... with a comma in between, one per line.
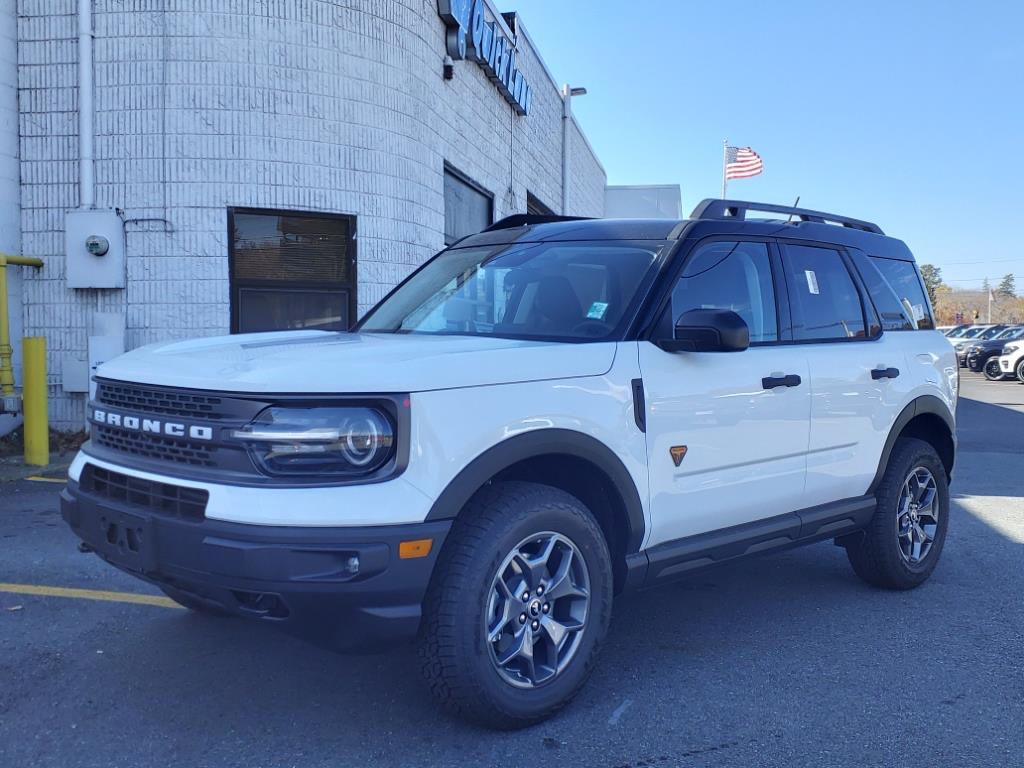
x=301, y=578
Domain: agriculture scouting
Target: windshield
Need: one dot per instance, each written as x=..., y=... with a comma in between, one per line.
x=958, y=332
x=1009, y=333
x=579, y=290
x=990, y=332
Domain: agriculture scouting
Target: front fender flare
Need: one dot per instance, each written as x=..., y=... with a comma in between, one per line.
x=543, y=442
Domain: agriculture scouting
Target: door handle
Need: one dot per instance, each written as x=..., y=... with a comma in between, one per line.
x=771, y=382
x=884, y=373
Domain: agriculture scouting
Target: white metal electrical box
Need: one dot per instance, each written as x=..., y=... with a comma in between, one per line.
x=94, y=243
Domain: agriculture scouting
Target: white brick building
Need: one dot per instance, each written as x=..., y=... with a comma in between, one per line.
x=220, y=124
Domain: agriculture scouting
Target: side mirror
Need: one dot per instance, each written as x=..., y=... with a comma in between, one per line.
x=708, y=330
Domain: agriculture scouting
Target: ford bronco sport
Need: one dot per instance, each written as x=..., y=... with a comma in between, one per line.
x=546, y=414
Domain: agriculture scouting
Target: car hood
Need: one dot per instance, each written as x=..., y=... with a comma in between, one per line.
x=322, y=362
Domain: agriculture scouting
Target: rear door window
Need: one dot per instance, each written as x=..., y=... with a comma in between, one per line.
x=906, y=284
x=825, y=302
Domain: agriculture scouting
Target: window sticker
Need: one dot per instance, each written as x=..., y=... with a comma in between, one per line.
x=597, y=310
x=918, y=311
x=812, y=281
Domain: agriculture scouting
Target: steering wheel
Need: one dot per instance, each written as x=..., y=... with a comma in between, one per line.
x=591, y=327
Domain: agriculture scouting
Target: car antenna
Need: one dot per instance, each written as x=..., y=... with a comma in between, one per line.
x=795, y=205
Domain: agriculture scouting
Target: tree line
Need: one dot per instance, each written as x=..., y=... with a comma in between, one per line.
x=972, y=304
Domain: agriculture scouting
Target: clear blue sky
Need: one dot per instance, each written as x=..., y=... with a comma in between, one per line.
x=910, y=114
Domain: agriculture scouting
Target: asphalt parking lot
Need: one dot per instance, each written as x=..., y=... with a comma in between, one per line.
x=786, y=660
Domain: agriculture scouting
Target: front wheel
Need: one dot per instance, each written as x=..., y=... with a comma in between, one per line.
x=1019, y=370
x=992, y=370
x=901, y=545
x=518, y=607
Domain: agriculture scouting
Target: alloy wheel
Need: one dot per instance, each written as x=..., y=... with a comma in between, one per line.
x=992, y=370
x=537, y=609
x=917, y=518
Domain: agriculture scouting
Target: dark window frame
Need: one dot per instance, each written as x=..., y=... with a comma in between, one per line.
x=450, y=169
x=351, y=286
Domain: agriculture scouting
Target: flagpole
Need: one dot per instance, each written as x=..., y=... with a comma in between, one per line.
x=725, y=162
x=989, y=301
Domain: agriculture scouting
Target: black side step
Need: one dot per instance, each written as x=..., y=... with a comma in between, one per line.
x=674, y=559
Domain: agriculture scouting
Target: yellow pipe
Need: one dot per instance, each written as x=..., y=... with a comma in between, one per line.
x=37, y=422
x=6, y=369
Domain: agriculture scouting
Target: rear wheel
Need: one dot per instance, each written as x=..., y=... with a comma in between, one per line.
x=518, y=607
x=901, y=546
x=992, y=370
x=1019, y=370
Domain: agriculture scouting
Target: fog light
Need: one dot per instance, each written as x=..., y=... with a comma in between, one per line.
x=352, y=565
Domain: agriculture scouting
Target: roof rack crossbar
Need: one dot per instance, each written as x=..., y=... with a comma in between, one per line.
x=737, y=209
x=526, y=219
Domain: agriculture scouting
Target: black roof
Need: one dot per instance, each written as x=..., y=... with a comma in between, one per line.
x=711, y=217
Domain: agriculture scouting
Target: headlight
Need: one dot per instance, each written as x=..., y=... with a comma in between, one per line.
x=1009, y=349
x=322, y=442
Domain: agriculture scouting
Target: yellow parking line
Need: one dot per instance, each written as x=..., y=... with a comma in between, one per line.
x=89, y=594
x=38, y=479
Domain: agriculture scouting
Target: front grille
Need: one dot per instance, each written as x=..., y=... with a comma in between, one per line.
x=150, y=446
x=160, y=498
x=134, y=397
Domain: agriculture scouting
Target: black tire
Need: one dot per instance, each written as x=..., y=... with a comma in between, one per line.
x=876, y=555
x=454, y=651
x=1019, y=370
x=195, y=604
x=992, y=370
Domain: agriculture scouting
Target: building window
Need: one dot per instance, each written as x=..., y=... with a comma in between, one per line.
x=468, y=207
x=291, y=270
x=535, y=207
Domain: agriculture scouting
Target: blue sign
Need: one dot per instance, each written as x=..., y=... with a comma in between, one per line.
x=474, y=36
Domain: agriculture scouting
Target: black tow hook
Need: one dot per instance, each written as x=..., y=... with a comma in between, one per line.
x=85, y=548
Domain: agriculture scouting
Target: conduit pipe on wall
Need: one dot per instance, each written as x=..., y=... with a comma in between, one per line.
x=6, y=351
x=86, y=109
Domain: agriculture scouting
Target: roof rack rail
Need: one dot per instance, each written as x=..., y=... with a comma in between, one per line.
x=737, y=209
x=526, y=219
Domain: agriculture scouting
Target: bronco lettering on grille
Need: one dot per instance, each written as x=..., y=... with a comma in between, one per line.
x=155, y=426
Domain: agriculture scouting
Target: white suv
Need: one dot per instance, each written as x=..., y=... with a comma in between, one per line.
x=1011, y=360
x=546, y=414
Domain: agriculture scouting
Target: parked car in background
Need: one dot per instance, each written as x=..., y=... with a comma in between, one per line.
x=981, y=353
x=987, y=332
x=1011, y=360
x=957, y=331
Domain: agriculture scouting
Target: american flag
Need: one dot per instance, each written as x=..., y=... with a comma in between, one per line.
x=742, y=163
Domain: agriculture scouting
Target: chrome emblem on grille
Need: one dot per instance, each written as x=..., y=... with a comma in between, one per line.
x=152, y=426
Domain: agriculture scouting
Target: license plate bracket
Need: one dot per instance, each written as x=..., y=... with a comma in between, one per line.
x=126, y=538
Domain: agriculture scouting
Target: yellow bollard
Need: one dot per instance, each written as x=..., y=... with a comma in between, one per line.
x=35, y=396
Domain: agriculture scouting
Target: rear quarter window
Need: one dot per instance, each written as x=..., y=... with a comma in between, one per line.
x=906, y=284
x=894, y=315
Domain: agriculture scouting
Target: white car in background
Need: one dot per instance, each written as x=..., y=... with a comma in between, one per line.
x=1011, y=361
